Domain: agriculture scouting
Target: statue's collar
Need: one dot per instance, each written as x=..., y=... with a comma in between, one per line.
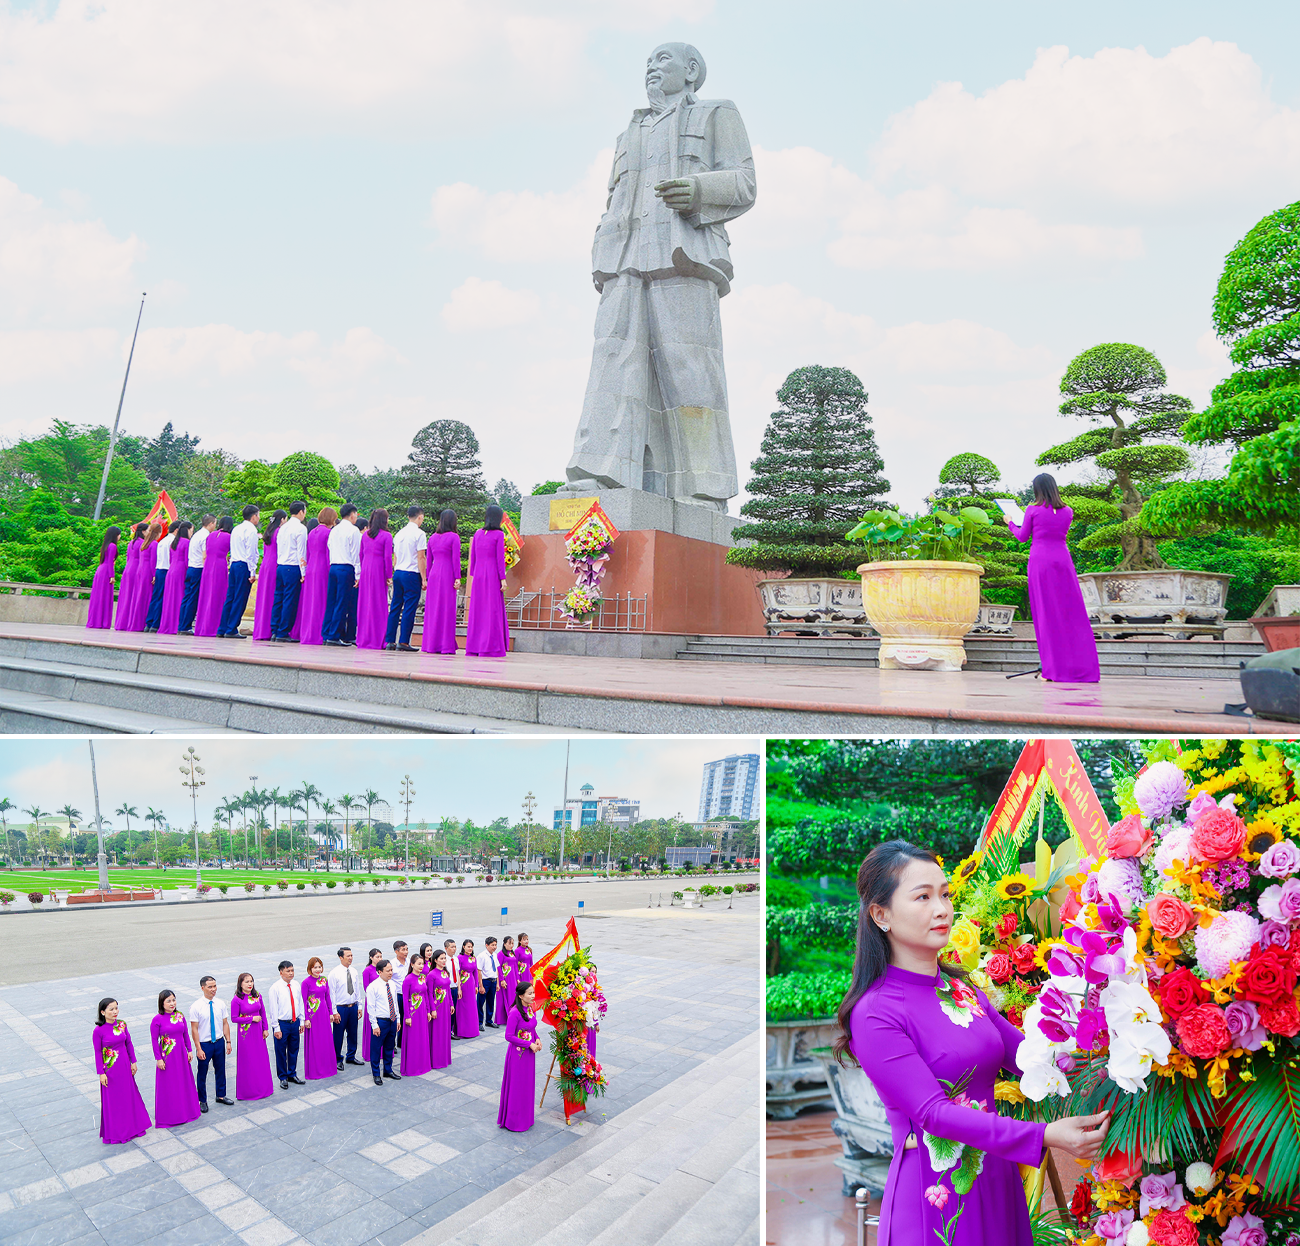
x=687, y=97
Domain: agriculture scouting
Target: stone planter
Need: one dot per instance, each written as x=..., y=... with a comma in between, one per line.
x=994, y=621
x=860, y=1125
x=1278, y=618
x=795, y=1077
x=815, y=607
x=1172, y=602
x=922, y=610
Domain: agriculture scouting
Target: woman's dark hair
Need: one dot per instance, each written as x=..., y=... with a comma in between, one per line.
x=520, y=990
x=370, y=955
x=278, y=517
x=878, y=879
x=464, y=944
x=227, y=524
x=1045, y=492
x=239, y=987
x=110, y=538
x=312, y=524
x=447, y=521
x=425, y=949
x=493, y=517
x=433, y=960
x=183, y=530
x=139, y=530
x=162, y=998
x=104, y=1003
x=510, y=939
x=152, y=534
x=378, y=522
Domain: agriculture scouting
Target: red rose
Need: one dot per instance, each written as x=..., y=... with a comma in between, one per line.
x=1282, y=1017
x=1006, y=926
x=1081, y=1204
x=999, y=967
x=1173, y=1228
x=1268, y=978
x=1218, y=835
x=1022, y=957
x=1128, y=838
x=1181, y=991
x=1203, y=1032
x=1016, y=1015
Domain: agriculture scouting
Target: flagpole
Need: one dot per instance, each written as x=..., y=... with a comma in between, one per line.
x=112, y=437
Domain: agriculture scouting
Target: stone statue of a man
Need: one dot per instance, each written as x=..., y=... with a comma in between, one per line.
x=655, y=412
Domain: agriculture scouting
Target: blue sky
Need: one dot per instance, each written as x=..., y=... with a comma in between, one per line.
x=466, y=778
x=353, y=219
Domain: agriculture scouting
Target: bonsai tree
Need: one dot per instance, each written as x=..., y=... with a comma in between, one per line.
x=1120, y=388
x=1256, y=408
x=967, y=475
x=818, y=471
x=967, y=480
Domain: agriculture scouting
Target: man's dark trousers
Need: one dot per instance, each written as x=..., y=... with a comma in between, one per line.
x=288, y=584
x=346, y=1024
x=406, y=596
x=286, y=1049
x=487, y=1001
x=216, y=1058
x=384, y=1043
x=237, y=586
x=190, y=602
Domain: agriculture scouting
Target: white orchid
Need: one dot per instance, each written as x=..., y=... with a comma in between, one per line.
x=1128, y=1004
x=1133, y=1051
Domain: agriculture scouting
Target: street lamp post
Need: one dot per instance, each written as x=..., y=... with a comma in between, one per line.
x=257, y=812
x=564, y=808
x=191, y=769
x=530, y=803
x=408, y=792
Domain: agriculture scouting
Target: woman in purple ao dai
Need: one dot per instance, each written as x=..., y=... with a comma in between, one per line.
x=933, y=1046
x=519, y=1077
x=126, y=590
x=142, y=584
x=318, y=1056
x=174, y=586
x=415, y=1007
x=122, y=1114
x=524, y=956
x=368, y=975
x=175, y=1094
x=372, y=588
x=213, y=583
x=443, y=562
x=487, y=635
x=253, y=1068
x=101, y=587
x=265, y=599
x=506, y=969
x=467, y=1004
x=315, y=584
x=440, y=1014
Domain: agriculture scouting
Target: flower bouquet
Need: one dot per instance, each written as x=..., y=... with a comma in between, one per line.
x=513, y=541
x=581, y=603
x=574, y=1001
x=587, y=547
x=1172, y=1002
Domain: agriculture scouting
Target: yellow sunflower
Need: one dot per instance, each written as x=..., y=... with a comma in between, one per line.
x=1016, y=887
x=1261, y=836
x=966, y=871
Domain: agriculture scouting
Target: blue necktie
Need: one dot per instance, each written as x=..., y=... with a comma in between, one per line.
x=212, y=1019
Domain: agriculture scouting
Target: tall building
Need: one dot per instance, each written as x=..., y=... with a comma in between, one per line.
x=587, y=809
x=730, y=788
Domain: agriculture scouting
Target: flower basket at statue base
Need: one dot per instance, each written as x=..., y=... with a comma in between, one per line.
x=814, y=607
x=1168, y=602
x=860, y=1125
x=1277, y=621
x=922, y=610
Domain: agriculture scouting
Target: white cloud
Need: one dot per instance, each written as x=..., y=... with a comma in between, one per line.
x=30, y=354
x=477, y=304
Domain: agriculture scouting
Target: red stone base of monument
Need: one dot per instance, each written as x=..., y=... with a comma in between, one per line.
x=688, y=585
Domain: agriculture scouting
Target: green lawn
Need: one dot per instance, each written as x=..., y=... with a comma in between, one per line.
x=75, y=879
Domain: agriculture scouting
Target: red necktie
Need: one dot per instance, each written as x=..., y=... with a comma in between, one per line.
x=293, y=1010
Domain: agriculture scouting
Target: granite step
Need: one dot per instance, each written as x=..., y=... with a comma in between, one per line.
x=37, y=713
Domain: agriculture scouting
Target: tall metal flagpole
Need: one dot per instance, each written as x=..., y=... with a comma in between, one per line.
x=112, y=437
x=99, y=825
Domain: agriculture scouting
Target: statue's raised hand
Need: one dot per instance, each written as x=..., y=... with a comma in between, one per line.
x=682, y=194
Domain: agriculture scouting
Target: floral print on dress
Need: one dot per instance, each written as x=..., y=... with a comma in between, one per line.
x=958, y=1000
x=119, y=1027
x=166, y=1045
x=110, y=1057
x=313, y=1003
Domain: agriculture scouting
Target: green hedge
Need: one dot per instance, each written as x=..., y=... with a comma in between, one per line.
x=815, y=848
x=815, y=923
x=813, y=995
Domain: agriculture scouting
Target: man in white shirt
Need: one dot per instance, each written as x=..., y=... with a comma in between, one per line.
x=154, y=616
x=210, y=1033
x=400, y=969
x=243, y=567
x=410, y=576
x=291, y=557
x=453, y=968
x=487, y=975
x=382, y=1006
x=344, y=544
x=284, y=1011
x=345, y=994
x=194, y=573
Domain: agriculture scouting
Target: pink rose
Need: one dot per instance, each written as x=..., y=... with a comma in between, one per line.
x=1114, y=1225
x=1280, y=860
x=1218, y=835
x=1245, y=1230
x=1159, y=1192
x=1128, y=838
x=999, y=967
x=1281, y=901
x=1170, y=916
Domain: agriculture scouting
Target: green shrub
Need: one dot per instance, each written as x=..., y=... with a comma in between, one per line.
x=820, y=924
x=331, y=884
x=782, y=893
x=792, y=996
x=728, y=889
x=302, y=886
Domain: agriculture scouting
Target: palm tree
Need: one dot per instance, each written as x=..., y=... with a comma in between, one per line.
x=276, y=799
x=128, y=812
x=308, y=793
x=346, y=803
x=370, y=799
x=37, y=813
x=329, y=809
x=5, y=806
x=155, y=816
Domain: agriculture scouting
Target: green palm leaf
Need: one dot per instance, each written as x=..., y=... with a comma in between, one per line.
x=1261, y=1125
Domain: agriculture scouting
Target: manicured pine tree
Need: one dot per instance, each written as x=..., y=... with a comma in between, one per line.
x=443, y=470
x=968, y=480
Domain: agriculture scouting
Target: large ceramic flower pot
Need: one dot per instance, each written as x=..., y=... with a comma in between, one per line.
x=1277, y=621
x=1180, y=603
x=795, y=1077
x=813, y=607
x=860, y=1125
x=921, y=610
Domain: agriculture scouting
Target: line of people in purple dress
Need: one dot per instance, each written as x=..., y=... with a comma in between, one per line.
x=416, y=1005
x=333, y=580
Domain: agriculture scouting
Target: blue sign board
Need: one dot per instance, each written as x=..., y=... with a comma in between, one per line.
x=580, y=905
x=435, y=918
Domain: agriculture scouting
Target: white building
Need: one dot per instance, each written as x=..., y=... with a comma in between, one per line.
x=586, y=809
x=730, y=788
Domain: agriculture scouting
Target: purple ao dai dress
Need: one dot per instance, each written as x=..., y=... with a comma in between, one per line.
x=908, y=1031
x=443, y=557
x=372, y=590
x=440, y=1020
x=416, y=1039
x=212, y=586
x=265, y=599
x=505, y=987
x=1066, y=645
x=318, y=1056
x=126, y=590
x=467, y=1004
x=368, y=975
x=519, y=1077
x=315, y=587
x=175, y=1094
x=253, y=1070
x=486, y=633
x=122, y=1114
x=178, y=561
x=101, y=590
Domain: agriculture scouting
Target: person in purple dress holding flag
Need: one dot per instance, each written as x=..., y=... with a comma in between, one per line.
x=316, y=580
x=215, y=580
x=175, y=1093
x=519, y=1077
x=487, y=635
x=1067, y=648
x=507, y=971
x=415, y=1013
x=443, y=563
x=470, y=988
x=101, y=587
x=318, y=1021
x=122, y=1114
x=266, y=571
x=440, y=1012
x=368, y=975
x=126, y=590
x=178, y=559
x=253, y=1061
x=372, y=590
x=933, y=1046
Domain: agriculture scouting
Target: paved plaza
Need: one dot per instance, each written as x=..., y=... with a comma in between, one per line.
x=673, y=1147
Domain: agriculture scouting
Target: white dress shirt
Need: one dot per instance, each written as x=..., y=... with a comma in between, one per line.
x=338, y=980
x=345, y=545
x=487, y=965
x=243, y=544
x=164, y=554
x=453, y=967
x=198, y=546
x=399, y=972
x=277, y=1001
x=291, y=543
x=203, y=1017
x=407, y=544
x=377, y=999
